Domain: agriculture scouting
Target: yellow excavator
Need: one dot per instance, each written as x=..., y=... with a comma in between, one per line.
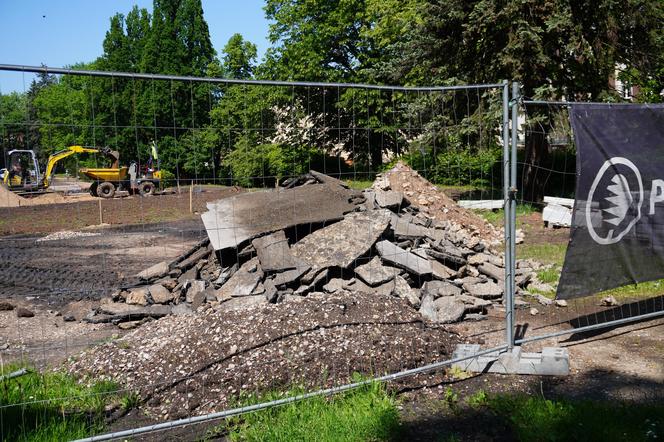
x=24, y=175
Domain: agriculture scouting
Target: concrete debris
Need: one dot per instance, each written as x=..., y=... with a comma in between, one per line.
x=560, y=303
x=160, y=294
x=375, y=273
x=138, y=296
x=315, y=238
x=487, y=290
x=244, y=282
x=22, y=312
x=67, y=235
x=449, y=309
x=274, y=253
x=609, y=301
x=389, y=199
x=156, y=271
x=403, y=259
x=340, y=244
x=233, y=222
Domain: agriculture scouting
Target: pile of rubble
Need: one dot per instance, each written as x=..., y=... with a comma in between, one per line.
x=195, y=364
x=402, y=238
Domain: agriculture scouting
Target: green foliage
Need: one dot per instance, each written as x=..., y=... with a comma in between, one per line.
x=52, y=406
x=536, y=419
x=478, y=399
x=497, y=217
x=463, y=166
x=549, y=276
x=239, y=57
x=13, y=114
x=367, y=413
x=263, y=164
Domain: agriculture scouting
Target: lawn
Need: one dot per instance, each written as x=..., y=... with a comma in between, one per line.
x=52, y=406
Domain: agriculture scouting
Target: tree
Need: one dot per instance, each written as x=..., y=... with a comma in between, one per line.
x=239, y=58
x=554, y=49
x=315, y=40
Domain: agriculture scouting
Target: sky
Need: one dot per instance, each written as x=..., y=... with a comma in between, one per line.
x=59, y=33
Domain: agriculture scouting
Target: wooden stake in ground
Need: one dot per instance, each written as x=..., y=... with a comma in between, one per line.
x=101, y=217
x=191, y=197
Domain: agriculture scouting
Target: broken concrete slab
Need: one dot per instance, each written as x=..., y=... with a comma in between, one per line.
x=355, y=285
x=138, y=296
x=404, y=291
x=375, y=273
x=156, y=271
x=123, y=312
x=486, y=290
x=449, y=309
x=189, y=275
x=440, y=288
x=274, y=253
x=194, y=289
x=290, y=276
x=160, y=294
x=233, y=222
x=389, y=199
x=403, y=259
x=404, y=229
x=492, y=271
x=441, y=271
x=244, y=282
x=340, y=244
x=334, y=285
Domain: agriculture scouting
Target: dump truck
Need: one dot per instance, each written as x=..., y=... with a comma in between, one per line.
x=24, y=175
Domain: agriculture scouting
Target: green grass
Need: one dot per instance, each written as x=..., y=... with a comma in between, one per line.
x=549, y=276
x=51, y=406
x=544, y=253
x=366, y=414
x=497, y=217
x=359, y=184
x=537, y=419
x=643, y=289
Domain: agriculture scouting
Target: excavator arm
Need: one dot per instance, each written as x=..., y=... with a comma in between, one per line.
x=71, y=150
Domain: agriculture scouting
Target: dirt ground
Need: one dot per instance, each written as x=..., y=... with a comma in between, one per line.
x=65, y=277
x=132, y=211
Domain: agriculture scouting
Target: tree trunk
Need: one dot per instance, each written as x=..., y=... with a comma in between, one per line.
x=536, y=163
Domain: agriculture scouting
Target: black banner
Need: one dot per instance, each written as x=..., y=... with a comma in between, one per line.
x=617, y=235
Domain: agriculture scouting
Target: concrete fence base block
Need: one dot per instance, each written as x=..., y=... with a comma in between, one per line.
x=552, y=361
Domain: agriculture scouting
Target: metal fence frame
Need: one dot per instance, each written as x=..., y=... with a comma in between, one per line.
x=511, y=100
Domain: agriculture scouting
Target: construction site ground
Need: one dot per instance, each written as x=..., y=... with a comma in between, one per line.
x=59, y=278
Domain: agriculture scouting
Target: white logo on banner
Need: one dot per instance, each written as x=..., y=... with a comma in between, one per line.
x=620, y=198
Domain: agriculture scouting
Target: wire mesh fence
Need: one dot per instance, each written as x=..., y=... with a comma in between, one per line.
x=547, y=177
x=365, y=286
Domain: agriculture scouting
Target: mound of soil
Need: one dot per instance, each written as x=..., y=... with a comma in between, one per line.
x=435, y=203
x=195, y=364
x=10, y=199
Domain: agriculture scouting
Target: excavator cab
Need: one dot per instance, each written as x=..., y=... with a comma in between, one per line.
x=23, y=172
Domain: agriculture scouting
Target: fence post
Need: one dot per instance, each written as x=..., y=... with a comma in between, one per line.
x=512, y=196
x=507, y=203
